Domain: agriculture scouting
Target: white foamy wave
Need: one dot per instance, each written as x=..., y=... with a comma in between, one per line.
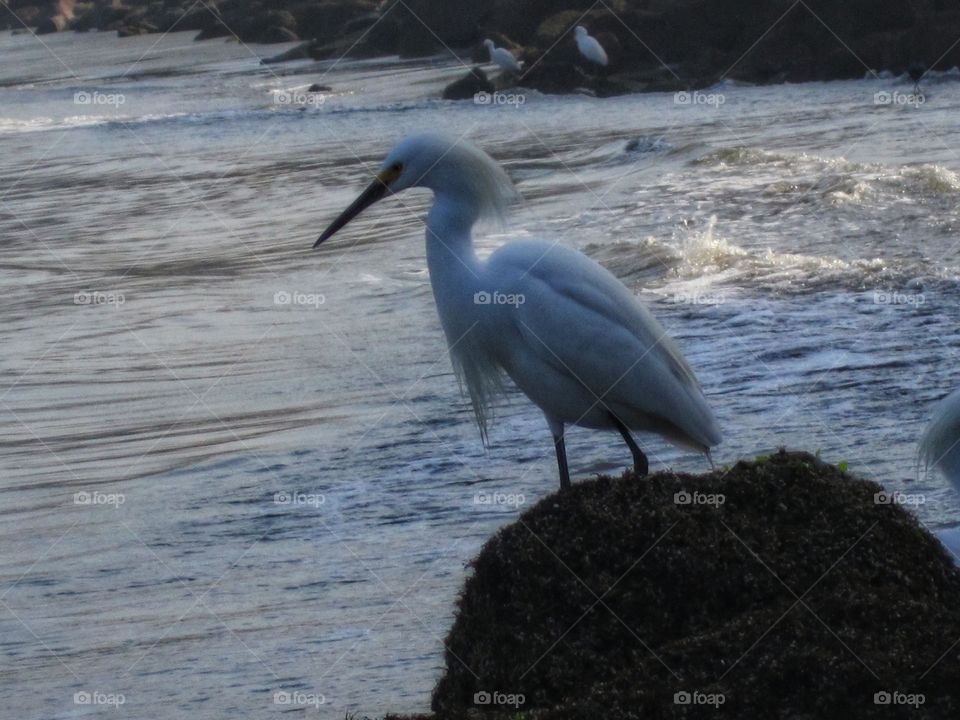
x=37, y=124
x=952, y=74
x=702, y=262
x=836, y=180
x=705, y=252
x=932, y=178
x=41, y=124
x=705, y=255
x=741, y=155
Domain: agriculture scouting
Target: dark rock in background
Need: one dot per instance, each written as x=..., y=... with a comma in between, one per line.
x=554, y=77
x=467, y=87
x=300, y=52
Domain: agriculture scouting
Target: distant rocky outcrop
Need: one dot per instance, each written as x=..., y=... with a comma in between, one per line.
x=652, y=44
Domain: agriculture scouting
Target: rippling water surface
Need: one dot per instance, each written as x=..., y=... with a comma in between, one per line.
x=211, y=494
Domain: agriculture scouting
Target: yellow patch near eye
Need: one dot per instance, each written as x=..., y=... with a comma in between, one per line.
x=389, y=175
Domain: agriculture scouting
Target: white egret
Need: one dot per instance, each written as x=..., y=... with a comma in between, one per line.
x=570, y=335
x=502, y=58
x=939, y=445
x=589, y=47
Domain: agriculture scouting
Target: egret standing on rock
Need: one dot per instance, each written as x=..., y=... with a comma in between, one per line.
x=502, y=58
x=589, y=47
x=940, y=443
x=570, y=335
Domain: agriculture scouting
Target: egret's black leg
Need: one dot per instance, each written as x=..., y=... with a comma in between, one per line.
x=640, y=465
x=561, y=449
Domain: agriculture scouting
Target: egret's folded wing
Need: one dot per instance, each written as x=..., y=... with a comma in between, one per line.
x=583, y=321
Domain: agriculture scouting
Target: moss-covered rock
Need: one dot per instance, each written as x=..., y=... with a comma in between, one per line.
x=780, y=587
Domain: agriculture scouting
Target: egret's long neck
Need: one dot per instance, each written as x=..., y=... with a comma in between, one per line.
x=450, y=255
x=454, y=268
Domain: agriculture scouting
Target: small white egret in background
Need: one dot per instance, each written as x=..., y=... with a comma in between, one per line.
x=589, y=47
x=502, y=58
x=570, y=335
x=940, y=443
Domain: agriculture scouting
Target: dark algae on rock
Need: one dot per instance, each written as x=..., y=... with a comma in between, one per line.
x=780, y=588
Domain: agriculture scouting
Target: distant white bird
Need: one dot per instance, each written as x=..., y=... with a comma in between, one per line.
x=502, y=58
x=940, y=443
x=570, y=335
x=589, y=47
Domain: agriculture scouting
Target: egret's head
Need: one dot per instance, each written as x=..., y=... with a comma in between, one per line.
x=452, y=168
x=581, y=31
x=488, y=44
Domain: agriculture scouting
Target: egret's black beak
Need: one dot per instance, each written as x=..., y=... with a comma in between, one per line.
x=375, y=191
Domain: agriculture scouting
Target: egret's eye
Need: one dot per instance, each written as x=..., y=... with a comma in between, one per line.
x=391, y=173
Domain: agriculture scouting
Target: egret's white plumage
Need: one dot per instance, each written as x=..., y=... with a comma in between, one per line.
x=502, y=58
x=570, y=335
x=939, y=445
x=589, y=47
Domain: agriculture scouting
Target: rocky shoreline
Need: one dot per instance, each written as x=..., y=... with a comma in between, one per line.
x=652, y=44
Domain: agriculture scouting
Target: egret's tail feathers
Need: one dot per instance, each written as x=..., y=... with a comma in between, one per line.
x=695, y=422
x=945, y=459
x=686, y=421
x=939, y=445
